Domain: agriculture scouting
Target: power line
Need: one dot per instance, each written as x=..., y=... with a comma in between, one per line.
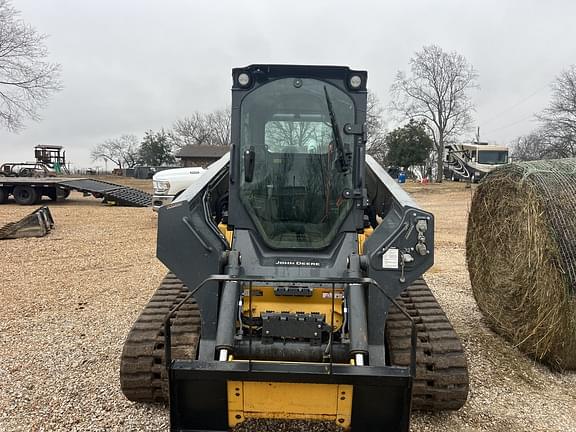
x=530, y=96
x=511, y=124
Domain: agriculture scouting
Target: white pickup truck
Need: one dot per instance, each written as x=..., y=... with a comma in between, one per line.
x=168, y=184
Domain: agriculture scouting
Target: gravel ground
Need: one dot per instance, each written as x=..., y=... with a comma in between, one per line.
x=68, y=300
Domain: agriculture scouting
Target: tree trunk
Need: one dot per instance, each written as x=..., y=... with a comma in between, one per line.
x=440, y=168
x=440, y=158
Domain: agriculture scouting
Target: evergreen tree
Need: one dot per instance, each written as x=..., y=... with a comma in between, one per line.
x=155, y=149
x=408, y=145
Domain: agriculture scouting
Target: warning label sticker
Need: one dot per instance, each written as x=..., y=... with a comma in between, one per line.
x=390, y=259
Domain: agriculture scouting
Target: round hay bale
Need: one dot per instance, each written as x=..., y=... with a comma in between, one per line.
x=521, y=255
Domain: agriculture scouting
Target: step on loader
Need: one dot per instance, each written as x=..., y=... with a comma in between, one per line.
x=295, y=288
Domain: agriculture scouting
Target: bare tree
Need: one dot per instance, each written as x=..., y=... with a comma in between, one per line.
x=546, y=142
x=191, y=130
x=298, y=134
x=202, y=129
x=26, y=78
x=556, y=135
x=376, y=145
x=529, y=147
x=437, y=90
x=121, y=151
x=562, y=110
x=219, y=123
x=559, y=119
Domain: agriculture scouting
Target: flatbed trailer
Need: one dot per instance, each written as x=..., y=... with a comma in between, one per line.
x=30, y=190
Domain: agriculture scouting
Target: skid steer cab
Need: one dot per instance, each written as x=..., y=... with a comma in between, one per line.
x=293, y=248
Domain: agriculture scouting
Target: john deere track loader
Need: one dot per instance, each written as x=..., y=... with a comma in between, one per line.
x=294, y=289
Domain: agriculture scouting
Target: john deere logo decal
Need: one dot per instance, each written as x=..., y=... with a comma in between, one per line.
x=300, y=263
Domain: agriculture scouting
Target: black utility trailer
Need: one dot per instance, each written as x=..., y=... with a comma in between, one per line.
x=30, y=190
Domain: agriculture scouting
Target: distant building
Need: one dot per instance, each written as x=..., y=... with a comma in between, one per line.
x=200, y=155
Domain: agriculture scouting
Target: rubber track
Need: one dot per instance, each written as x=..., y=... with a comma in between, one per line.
x=143, y=375
x=441, y=369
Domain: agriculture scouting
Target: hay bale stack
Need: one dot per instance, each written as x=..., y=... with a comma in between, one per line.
x=521, y=254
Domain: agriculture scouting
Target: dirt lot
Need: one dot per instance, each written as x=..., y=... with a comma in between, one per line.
x=68, y=300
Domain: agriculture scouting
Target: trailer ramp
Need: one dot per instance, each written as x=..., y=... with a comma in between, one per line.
x=111, y=192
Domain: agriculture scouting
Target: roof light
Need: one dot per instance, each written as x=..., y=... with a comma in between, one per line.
x=243, y=79
x=355, y=81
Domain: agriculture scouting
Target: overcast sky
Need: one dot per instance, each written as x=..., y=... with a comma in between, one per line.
x=130, y=66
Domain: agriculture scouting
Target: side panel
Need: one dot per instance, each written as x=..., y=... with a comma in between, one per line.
x=191, y=247
x=399, y=251
x=401, y=248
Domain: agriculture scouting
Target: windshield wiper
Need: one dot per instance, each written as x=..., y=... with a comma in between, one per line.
x=342, y=161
